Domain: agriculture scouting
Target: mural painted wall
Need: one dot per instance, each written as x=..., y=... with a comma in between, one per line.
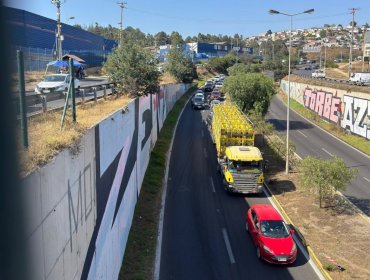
x=81, y=204
x=350, y=110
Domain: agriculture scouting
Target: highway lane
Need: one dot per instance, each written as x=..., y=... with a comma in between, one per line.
x=204, y=234
x=311, y=140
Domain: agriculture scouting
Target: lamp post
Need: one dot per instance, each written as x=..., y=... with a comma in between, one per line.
x=274, y=12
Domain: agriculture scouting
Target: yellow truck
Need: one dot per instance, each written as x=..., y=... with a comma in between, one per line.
x=240, y=163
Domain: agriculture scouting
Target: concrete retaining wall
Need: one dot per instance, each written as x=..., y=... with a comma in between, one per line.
x=80, y=205
x=350, y=110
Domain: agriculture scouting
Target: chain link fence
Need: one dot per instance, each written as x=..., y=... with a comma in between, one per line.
x=36, y=59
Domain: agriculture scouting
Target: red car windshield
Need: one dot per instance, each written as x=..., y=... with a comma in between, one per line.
x=274, y=229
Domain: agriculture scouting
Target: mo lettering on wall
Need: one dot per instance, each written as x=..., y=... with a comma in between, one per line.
x=81, y=204
x=349, y=110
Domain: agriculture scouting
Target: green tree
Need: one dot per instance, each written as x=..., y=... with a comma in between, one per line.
x=269, y=32
x=133, y=69
x=162, y=38
x=322, y=33
x=251, y=91
x=180, y=66
x=238, y=68
x=354, y=23
x=176, y=39
x=325, y=177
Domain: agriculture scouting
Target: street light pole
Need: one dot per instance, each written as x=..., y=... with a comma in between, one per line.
x=288, y=107
x=59, y=30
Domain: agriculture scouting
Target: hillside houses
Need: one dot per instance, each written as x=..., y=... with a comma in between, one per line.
x=328, y=35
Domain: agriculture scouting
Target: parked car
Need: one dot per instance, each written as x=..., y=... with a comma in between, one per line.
x=270, y=234
x=318, y=74
x=361, y=79
x=55, y=83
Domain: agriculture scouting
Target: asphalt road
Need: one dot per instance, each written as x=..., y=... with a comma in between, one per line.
x=204, y=234
x=310, y=140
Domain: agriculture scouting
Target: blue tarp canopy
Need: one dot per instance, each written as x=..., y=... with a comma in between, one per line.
x=62, y=63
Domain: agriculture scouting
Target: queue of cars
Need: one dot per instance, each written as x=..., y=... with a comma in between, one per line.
x=270, y=234
x=211, y=93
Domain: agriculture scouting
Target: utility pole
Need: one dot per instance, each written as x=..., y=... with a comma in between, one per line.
x=122, y=6
x=353, y=11
x=363, y=50
x=59, y=51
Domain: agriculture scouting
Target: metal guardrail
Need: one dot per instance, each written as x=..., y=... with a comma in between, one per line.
x=336, y=81
x=41, y=103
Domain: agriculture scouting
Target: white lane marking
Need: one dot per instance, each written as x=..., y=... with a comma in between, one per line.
x=366, y=179
x=302, y=133
x=330, y=154
x=202, y=133
x=228, y=246
x=205, y=153
x=299, y=244
x=212, y=185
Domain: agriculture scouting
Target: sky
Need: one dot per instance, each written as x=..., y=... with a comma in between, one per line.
x=247, y=18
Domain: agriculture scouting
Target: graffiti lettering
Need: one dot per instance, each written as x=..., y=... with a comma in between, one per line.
x=356, y=110
x=323, y=103
x=76, y=207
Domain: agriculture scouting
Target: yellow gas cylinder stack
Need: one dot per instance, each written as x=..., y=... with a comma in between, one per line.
x=230, y=128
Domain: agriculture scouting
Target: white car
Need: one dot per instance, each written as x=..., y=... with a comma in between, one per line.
x=318, y=74
x=55, y=83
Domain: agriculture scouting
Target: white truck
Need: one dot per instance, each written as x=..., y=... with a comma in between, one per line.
x=361, y=79
x=318, y=74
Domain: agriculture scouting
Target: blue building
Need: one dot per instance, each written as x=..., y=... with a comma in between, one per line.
x=215, y=49
x=37, y=35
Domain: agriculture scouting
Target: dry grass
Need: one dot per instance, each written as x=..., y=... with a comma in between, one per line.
x=335, y=231
x=166, y=78
x=46, y=139
x=336, y=73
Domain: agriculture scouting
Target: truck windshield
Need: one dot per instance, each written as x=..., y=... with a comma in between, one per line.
x=245, y=166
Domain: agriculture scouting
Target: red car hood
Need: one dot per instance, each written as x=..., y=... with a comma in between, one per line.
x=280, y=246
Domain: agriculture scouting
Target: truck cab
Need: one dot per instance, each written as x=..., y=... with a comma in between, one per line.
x=242, y=169
x=361, y=79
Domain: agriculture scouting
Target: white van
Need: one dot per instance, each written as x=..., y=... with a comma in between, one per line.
x=361, y=79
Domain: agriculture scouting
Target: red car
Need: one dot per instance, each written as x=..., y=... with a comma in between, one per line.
x=271, y=235
x=215, y=95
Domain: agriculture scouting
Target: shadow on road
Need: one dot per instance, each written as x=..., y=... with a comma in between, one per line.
x=280, y=125
x=363, y=204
